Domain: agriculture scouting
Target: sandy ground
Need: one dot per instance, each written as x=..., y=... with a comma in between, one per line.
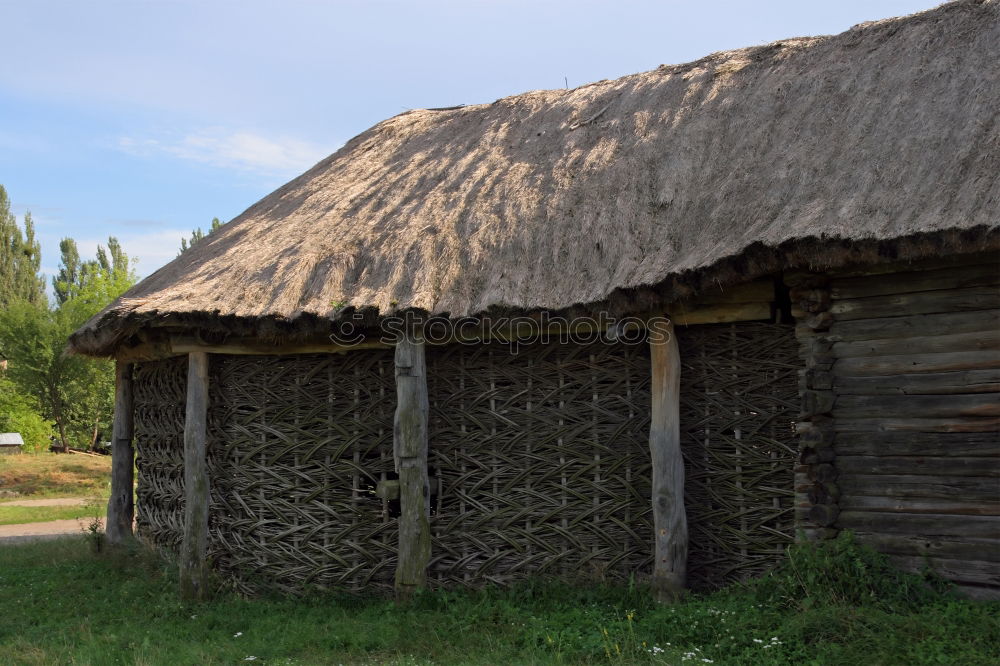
x=61, y=501
x=36, y=531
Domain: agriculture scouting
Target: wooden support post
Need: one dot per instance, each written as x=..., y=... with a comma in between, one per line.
x=121, y=510
x=669, y=517
x=410, y=453
x=193, y=561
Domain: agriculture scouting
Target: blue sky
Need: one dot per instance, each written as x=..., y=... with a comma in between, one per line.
x=143, y=119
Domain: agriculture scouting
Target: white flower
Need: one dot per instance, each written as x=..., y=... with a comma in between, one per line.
x=237, y=634
x=251, y=658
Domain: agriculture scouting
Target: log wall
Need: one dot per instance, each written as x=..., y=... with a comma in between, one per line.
x=900, y=425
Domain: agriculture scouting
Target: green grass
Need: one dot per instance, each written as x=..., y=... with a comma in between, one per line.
x=16, y=515
x=48, y=475
x=840, y=604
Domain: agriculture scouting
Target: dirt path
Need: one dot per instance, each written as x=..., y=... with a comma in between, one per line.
x=60, y=501
x=34, y=531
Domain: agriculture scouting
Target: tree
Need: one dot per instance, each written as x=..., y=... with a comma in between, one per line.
x=76, y=393
x=74, y=274
x=197, y=235
x=20, y=258
x=19, y=413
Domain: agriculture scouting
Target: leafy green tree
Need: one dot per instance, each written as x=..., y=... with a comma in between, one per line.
x=198, y=234
x=20, y=258
x=70, y=271
x=74, y=275
x=20, y=413
x=76, y=393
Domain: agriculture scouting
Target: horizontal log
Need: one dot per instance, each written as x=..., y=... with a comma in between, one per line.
x=919, y=465
x=850, y=502
x=940, y=342
x=930, y=263
x=914, y=486
x=687, y=315
x=816, y=402
x=758, y=291
x=812, y=301
x=907, y=443
x=814, y=321
x=963, y=571
x=147, y=351
x=927, y=383
x=823, y=515
x=967, y=424
x=867, y=366
x=953, y=277
x=823, y=472
x=978, y=592
x=925, y=302
x=252, y=348
x=918, y=406
x=921, y=524
x=986, y=550
x=804, y=279
x=914, y=326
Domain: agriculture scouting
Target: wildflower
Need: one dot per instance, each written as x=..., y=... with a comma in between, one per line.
x=237, y=634
x=251, y=658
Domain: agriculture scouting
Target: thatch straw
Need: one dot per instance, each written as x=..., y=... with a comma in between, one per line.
x=883, y=139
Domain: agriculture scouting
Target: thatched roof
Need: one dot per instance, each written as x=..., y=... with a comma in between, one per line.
x=881, y=140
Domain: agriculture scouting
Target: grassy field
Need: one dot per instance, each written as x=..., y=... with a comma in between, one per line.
x=63, y=604
x=49, y=475
x=18, y=515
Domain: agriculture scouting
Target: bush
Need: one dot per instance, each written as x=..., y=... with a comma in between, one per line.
x=18, y=413
x=841, y=572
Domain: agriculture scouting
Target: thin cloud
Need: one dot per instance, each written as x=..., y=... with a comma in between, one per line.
x=225, y=149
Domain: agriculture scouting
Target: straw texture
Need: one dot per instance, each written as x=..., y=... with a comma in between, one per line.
x=883, y=140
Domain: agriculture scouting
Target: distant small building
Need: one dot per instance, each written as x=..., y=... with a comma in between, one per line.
x=10, y=442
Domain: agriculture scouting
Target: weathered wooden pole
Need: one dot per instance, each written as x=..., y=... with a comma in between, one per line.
x=669, y=517
x=193, y=561
x=410, y=453
x=121, y=509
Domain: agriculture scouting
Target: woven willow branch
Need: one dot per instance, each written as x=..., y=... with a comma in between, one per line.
x=539, y=461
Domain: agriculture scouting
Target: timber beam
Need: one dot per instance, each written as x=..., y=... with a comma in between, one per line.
x=194, y=569
x=410, y=427
x=121, y=510
x=669, y=515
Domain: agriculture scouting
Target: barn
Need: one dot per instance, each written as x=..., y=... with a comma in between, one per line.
x=10, y=443
x=660, y=326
